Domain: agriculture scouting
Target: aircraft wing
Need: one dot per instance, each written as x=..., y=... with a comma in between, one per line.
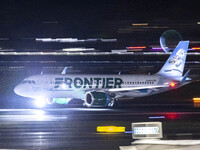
x=128, y=89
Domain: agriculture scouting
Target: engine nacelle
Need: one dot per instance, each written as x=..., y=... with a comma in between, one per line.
x=97, y=99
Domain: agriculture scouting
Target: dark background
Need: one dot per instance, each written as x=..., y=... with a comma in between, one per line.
x=88, y=18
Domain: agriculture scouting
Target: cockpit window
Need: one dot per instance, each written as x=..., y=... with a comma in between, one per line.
x=25, y=81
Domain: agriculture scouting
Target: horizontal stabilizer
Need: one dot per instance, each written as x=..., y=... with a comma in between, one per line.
x=185, y=76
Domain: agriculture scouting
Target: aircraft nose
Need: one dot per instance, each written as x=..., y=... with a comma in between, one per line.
x=18, y=90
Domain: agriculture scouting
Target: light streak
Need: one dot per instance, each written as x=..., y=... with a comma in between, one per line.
x=140, y=24
x=110, y=129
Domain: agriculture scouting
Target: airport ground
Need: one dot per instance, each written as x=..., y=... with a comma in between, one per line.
x=76, y=128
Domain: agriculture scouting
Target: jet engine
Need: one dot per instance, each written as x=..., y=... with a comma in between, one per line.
x=97, y=99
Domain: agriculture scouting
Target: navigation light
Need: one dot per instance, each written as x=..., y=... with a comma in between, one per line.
x=172, y=84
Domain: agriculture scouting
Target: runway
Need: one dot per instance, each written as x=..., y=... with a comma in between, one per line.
x=75, y=128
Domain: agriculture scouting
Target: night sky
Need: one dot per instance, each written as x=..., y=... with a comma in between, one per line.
x=19, y=18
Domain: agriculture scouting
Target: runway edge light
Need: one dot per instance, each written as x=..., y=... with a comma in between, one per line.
x=110, y=129
x=196, y=99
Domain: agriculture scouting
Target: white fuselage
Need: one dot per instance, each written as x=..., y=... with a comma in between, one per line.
x=75, y=86
x=95, y=89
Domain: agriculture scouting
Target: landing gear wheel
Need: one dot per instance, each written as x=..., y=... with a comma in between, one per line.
x=113, y=103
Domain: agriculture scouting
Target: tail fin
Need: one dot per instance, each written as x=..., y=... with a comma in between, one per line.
x=174, y=66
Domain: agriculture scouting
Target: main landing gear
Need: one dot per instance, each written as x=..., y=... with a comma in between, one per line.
x=113, y=103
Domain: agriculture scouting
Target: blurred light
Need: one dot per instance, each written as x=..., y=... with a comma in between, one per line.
x=172, y=84
x=68, y=40
x=194, y=42
x=140, y=24
x=91, y=40
x=134, y=50
x=77, y=49
x=136, y=47
x=110, y=129
x=81, y=53
x=172, y=115
x=7, y=50
x=157, y=49
x=39, y=115
x=198, y=22
x=74, y=40
x=39, y=112
x=157, y=117
x=129, y=132
x=160, y=49
x=40, y=102
x=119, y=51
x=190, y=49
x=108, y=40
x=4, y=39
x=196, y=99
x=44, y=39
x=196, y=48
x=58, y=40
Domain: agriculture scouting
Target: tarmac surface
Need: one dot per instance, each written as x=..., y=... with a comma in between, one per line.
x=76, y=128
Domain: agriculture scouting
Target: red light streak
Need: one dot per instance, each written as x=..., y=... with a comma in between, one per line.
x=172, y=116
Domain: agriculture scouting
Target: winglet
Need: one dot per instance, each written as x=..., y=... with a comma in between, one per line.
x=64, y=70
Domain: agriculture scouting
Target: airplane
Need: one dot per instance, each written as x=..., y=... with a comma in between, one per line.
x=105, y=90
